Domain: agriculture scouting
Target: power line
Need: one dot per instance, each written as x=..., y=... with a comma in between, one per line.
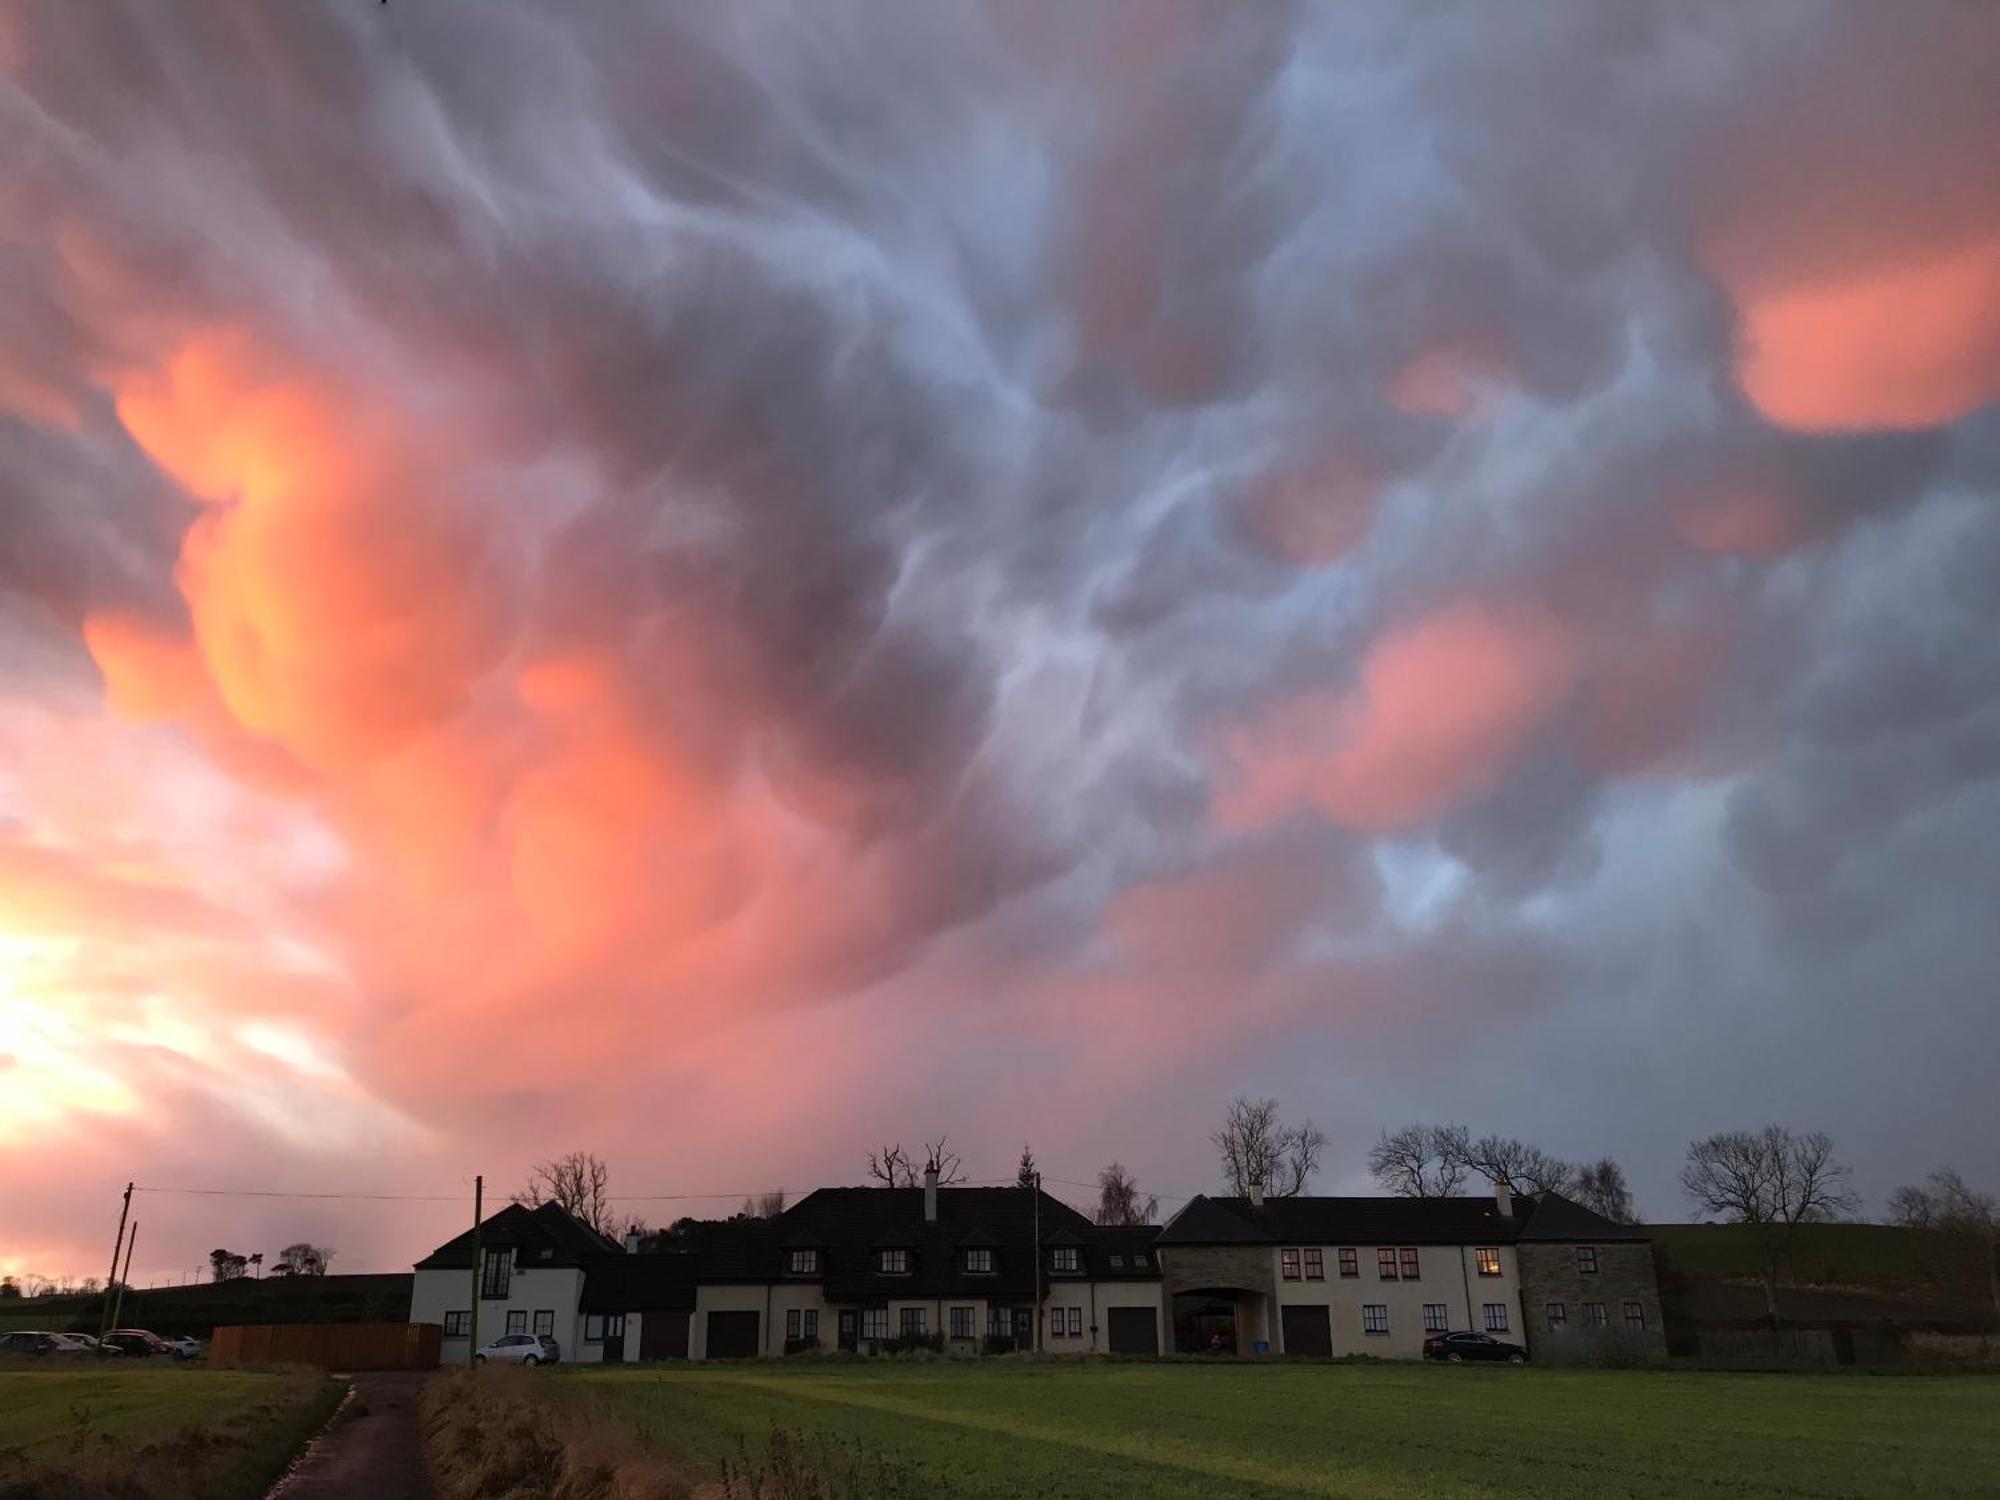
x=280, y=1193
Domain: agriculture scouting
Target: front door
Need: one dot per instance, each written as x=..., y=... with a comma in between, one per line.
x=614, y=1338
x=848, y=1337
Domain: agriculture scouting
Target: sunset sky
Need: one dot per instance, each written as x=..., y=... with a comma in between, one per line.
x=726, y=584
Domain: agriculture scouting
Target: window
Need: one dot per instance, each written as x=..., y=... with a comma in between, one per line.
x=517, y=1320
x=1593, y=1314
x=961, y=1322
x=593, y=1328
x=1064, y=1258
x=1586, y=1259
x=545, y=1321
x=1410, y=1263
x=1558, y=1314
x=1635, y=1316
x=915, y=1322
x=1489, y=1260
x=1437, y=1319
x=892, y=1262
x=1315, y=1264
x=875, y=1322
x=458, y=1325
x=496, y=1275
x=979, y=1262
x=1000, y=1322
x=812, y=1324
x=614, y=1328
x=1349, y=1262
x=1385, y=1264
x=1288, y=1264
x=1076, y=1322
x=1117, y=1262
x=804, y=1263
x=1374, y=1317
x=793, y=1322
x=1496, y=1317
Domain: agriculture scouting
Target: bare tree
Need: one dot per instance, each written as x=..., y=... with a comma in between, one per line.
x=1027, y=1174
x=579, y=1182
x=1118, y=1199
x=1421, y=1161
x=1524, y=1167
x=1258, y=1150
x=1600, y=1186
x=1772, y=1179
x=893, y=1167
x=771, y=1204
x=301, y=1258
x=1960, y=1229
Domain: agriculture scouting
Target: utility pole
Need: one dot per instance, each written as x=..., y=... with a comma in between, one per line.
x=118, y=1307
x=478, y=1209
x=116, y=1249
x=1037, y=1336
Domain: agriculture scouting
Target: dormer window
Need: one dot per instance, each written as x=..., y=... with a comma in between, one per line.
x=1065, y=1259
x=892, y=1262
x=979, y=1262
x=803, y=1263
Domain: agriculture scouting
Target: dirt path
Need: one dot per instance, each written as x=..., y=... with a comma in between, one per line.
x=377, y=1454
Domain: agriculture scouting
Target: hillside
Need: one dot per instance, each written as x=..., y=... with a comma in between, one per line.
x=1880, y=1257
x=201, y=1307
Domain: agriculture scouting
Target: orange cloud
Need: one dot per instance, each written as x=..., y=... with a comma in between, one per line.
x=1442, y=707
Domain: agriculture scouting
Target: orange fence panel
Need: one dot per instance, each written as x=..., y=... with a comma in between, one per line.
x=334, y=1346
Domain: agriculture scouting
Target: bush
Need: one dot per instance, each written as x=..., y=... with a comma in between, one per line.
x=911, y=1343
x=801, y=1346
x=997, y=1343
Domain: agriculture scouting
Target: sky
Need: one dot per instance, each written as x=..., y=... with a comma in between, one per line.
x=728, y=585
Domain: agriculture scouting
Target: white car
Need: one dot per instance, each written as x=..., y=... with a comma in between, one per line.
x=520, y=1349
x=79, y=1343
x=185, y=1347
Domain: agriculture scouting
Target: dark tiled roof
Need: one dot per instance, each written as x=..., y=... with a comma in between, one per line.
x=1341, y=1221
x=1552, y=1217
x=638, y=1283
x=544, y=1236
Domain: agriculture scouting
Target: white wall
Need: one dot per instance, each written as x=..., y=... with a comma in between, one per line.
x=1446, y=1273
x=534, y=1289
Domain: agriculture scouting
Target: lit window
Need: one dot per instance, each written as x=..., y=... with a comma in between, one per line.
x=1436, y=1318
x=1350, y=1262
x=961, y=1322
x=805, y=1263
x=1315, y=1265
x=979, y=1262
x=1558, y=1314
x=1288, y=1264
x=1586, y=1259
x=1374, y=1317
x=915, y=1323
x=1385, y=1264
x=1489, y=1260
x=892, y=1262
x=1410, y=1263
x=1635, y=1317
x=1593, y=1314
x=875, y=1322
x=1496, y=1317
x=1064, y=1258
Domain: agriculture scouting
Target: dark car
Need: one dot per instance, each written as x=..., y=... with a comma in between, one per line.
x=1458, y=1347
x=137, y=1343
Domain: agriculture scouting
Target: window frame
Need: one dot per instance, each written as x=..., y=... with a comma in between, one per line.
x=812, y=1324
x=1493, y=1317
x=1373, y=1313
x=545, y=1322
x=1065, y=1260
x=874, y=1322
x=496, y=1273
x=517, y=1320
x=961, y=1322
x=593, y=1328
x=1385, y=1263
x=1556, y=1314
x=914, y=1322
x=1437, y=1317
x=1595, y=1315
x=1635, y=1316
x=1315, y=1267
x=458, y=1324
x=1586, y=1260
x=1410, y=1264
x=978, y=1261
x=1487, y=1259
x=794, y=1323
x=892, y=1262
x=1349, y=1260
x=1289, y=1264
x=802, y=1261
x=1075, y=1321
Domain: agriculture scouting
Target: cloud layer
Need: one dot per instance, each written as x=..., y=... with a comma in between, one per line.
x=718, y=586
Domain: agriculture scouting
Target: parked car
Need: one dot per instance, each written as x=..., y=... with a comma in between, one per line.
x=138, y=1343
x=33, y=1341
x=184, y=1347
x=1457, y=1347
x=81, y=1343
x=520, y=1349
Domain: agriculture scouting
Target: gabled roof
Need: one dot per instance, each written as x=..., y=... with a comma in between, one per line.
x=1341, y=1221
x=618, y=1282
x=547, y=1235
x=1208, y=1221
x=1552, y=1217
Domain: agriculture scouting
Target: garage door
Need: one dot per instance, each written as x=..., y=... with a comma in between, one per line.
x=1308, y=1330
x=1134, y=1330
x=732, y=1335
x=663, y=1335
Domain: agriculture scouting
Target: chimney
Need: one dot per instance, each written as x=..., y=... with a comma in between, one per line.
x=1256, y=1195
x=930, y=1194
x=1503, y=1198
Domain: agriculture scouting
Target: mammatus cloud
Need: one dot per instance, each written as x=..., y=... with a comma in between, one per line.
x=717, y=591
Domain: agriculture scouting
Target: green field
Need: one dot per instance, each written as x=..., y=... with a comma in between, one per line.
x=1864, y=1255
x=1008, y=1429
x=189, y=1432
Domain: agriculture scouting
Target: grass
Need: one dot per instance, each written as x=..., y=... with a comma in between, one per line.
x=999, y=1429
x=1868, y=1255
x=152, y=1429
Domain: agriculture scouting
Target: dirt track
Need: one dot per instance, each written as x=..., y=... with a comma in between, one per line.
x=377, y=1454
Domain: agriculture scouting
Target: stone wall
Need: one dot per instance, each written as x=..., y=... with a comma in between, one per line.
x=1624, y=1274
x=1190, y=1268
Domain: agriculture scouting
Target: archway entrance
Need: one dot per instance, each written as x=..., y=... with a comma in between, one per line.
x=1218, y=1320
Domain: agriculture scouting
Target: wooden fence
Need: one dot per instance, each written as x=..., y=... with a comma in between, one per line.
x=336, y=1346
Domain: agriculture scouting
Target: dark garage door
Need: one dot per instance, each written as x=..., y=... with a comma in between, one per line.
x=1134, y=1330
x=663, y=1335
x=732, y=1335
x=1308, y=1330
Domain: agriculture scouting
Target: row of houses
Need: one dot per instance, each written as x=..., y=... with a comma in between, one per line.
x=997, y=1269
